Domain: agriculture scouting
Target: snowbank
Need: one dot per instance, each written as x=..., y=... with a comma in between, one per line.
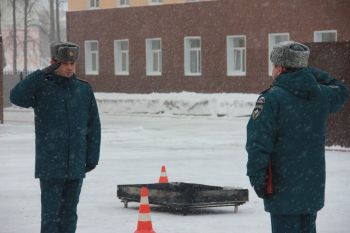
x=183, y=103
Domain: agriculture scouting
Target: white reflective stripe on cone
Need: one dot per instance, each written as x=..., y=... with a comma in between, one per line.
x=163, y=174
x=144, y=200
x=144, y=217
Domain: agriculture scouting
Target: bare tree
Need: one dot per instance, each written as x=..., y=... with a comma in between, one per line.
x=14, y=33
x=28, y=6
x=52, y=21
x=58, y=20
x=3, y=51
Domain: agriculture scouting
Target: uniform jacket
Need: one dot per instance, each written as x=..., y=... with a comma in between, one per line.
x=67, y=124
x=287, y=127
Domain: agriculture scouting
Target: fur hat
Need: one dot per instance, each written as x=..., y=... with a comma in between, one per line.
x=290, y=54
x=64, y=51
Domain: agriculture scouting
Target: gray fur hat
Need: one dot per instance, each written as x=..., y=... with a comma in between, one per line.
x=290, y=54
x=64, y=51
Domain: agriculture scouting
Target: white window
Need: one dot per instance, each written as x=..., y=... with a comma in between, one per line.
x=193, y=58
x=275, y=38
x=155, y=2
x=94, y=4
x=153, y=56
x=325, y=36
x=193, y=0
x=91, y=57
x=123, y=3
x=236, y=55
x=121, y=57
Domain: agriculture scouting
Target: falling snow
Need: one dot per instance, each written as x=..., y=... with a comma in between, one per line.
x=198, y=148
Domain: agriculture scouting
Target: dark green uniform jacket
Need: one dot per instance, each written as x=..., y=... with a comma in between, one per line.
x=287, y=127
x=67, y=124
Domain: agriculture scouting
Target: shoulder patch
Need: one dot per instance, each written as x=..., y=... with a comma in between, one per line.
x=82, y=80
x=263, y=92
x=258, y=107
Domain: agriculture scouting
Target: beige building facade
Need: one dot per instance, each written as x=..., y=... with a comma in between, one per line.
x=78, y=5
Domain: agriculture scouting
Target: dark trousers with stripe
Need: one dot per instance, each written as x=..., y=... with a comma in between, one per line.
x=59, y=200
x=302, y=223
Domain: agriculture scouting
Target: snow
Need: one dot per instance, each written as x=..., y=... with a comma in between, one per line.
x=196, y=146
x=183, y=103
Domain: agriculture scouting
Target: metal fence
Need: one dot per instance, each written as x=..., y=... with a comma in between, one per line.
x=10, y=79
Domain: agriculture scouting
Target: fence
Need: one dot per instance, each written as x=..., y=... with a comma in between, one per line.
x=10, y=79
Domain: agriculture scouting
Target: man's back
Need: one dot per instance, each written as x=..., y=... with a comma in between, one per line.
x=291, y=130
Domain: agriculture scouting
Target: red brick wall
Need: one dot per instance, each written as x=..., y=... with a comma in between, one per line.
x=335, y=59
x=213, y=21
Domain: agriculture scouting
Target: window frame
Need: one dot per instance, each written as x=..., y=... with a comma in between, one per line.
x=123, y=5
x=151, y=3
x=270, y=47
x=118, y=54
x=96, y=6
x=230, y=52
x=325, y=31
x=88, y=54
x=187, y=56
x=149, y=57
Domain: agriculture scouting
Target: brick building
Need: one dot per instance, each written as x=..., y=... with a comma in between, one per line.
x=77, y=5
x=206, y=46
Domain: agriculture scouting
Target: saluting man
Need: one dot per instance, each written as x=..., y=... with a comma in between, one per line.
x=68, y=134
x=287, y=130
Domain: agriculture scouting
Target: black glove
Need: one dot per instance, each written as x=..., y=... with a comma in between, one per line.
x=51, y=68
x=89, y=167
x=261, y=192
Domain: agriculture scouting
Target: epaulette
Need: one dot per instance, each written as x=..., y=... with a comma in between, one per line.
x=85, y=81
x=263, y=92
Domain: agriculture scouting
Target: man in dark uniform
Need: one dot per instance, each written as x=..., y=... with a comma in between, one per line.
x=287, y=130
x=68, y=134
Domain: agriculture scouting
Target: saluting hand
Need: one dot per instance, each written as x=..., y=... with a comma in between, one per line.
x=51, y=68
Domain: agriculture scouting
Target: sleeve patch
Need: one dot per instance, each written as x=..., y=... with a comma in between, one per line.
x=258, y=107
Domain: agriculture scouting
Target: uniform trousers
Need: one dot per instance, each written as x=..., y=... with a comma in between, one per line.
x=301, y=223
x=59, y=200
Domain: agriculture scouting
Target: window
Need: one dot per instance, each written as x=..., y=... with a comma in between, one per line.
x=153, y=56
x=91, y=57
x=325, y=36
x=94, y=4
x=121, y=57
x=236, y=55
x=123, y=3
x=275, y=38
x=192, y=56
x=193, y=0
x=155, y=2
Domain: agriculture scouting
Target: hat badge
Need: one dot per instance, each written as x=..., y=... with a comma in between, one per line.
x=71, y=54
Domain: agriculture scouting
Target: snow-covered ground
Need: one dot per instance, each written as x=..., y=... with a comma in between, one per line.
x=203, y=149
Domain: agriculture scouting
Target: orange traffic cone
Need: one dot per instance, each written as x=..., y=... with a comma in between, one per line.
x=163, y=177
x=144, y=225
